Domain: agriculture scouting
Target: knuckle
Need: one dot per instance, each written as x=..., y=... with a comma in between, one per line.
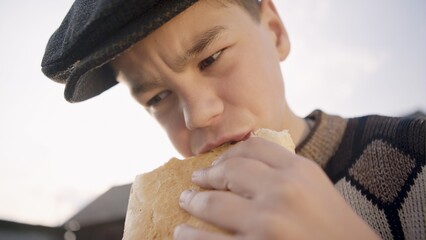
x=287, y=190
x=204, y=202
x=292, y=189
x=232, y=166
x=216, y=177
x=219, y=177
x=235, y=170
x=270, y=226
x=229, y=169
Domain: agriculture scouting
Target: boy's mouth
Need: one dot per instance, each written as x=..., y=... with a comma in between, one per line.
x=229, y=139
x=247, y=136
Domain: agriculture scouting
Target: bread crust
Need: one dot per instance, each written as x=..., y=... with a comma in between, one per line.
x=153, y=211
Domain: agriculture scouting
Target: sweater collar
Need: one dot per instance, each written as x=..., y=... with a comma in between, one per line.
x=324, y=138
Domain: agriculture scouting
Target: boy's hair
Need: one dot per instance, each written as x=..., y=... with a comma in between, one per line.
x=250, y=6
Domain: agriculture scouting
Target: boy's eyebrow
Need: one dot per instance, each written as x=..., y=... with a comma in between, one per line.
x=143, y=87
x=136, y=87
x=201, y=42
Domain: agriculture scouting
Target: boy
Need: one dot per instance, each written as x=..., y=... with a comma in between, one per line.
x=208, y=71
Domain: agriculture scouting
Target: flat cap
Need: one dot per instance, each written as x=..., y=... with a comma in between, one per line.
x=93, y=33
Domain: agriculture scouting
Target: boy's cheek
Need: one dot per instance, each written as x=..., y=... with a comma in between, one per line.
x=176, y=130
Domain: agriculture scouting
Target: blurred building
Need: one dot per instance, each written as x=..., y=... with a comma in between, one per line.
x=101, y=219
x=20, y=231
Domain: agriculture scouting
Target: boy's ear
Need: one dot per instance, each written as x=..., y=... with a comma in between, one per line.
x=270, y=18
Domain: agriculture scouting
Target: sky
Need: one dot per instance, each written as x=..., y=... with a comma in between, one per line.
x=348, y=58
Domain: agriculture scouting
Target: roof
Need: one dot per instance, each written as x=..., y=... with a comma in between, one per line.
x=110, y=206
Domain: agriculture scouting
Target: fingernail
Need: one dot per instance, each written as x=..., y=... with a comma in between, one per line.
x=178, y=230
x=197, y=174
x=186, y=196
x=217, y=161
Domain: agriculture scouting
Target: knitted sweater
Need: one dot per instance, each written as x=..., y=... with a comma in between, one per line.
x=378, y=165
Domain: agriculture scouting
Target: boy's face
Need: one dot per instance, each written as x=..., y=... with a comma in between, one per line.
x=210, y=75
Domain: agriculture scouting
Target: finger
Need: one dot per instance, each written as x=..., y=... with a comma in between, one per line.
x=245, y=177
x=185, y=232
x=223, y=209
x=270, y=153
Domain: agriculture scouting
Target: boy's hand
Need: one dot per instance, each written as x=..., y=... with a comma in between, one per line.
x=262, y=191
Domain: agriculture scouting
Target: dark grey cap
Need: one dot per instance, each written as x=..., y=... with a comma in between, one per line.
x=93, y=33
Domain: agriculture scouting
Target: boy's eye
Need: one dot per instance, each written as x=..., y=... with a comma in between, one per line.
x=209, y=61
x=158, y=98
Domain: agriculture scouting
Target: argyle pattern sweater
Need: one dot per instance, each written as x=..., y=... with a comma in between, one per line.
x=377, y=163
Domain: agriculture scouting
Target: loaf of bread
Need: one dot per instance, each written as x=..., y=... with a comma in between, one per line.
x=153, y=211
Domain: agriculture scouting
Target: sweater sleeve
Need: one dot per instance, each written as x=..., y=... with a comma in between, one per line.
x=377, y=163
x=380, y=170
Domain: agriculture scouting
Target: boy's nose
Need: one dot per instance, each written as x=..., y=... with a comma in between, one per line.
x=201, y=108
